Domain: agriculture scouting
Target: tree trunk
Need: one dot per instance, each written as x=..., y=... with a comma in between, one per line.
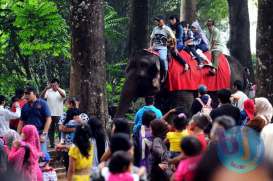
x=88, y=52
x=74, y=82
x=239, y=41
x=265, y=49
x=138, y=29
x=188, y=10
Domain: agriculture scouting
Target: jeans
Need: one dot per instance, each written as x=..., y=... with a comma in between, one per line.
x=163, y=53
x=44, y=147
x=192, y=49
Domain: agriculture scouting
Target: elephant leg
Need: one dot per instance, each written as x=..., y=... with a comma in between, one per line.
x=182, y=100
x=128, y=94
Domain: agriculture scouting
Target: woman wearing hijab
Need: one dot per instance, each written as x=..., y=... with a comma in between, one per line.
x=25, y=154
x=199, y=38
x=264, y=108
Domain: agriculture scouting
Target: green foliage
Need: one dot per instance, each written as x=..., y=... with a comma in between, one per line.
x=8, y=84
x=41, y=28
x=215, y=9
x=113, y=23
x=115, y=82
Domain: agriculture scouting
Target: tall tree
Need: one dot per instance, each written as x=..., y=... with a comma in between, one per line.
x=88, y=52
x=239, y=42
x=138, y=31
x=265, y=49
x=188, y=10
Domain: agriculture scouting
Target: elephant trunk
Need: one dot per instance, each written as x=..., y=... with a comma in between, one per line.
x=128, y=94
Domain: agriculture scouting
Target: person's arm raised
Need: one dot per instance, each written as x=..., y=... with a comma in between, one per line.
x=43, y=94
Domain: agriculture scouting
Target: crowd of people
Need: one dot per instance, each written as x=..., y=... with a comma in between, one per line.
x=169, y=40
x=175, y=146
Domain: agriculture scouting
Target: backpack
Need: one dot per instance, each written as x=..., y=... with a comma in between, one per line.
x=206, y=108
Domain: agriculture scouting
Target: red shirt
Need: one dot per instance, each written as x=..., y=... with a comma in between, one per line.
x=14, y=122
x=202, y=138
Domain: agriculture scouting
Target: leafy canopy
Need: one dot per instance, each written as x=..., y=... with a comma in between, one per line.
x=40, y=28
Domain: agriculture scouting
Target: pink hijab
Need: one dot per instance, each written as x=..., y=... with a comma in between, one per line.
x=31, y=136
x=17, y=155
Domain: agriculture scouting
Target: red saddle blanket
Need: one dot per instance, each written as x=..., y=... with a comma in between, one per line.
x=190, y=80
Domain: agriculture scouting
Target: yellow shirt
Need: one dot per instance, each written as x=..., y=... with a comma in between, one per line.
x=82, y=163
x=175, y=139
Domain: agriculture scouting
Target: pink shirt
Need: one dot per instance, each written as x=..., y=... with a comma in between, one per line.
x=203, y=141
x=186, y=168
x=127, y=176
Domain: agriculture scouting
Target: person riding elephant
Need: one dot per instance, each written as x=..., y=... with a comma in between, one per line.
x=143, y=79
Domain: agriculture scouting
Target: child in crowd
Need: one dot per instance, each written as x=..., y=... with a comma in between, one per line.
x=49, y=173
x=81, y=155
x=174, y=137
x=191, y=148
x=197, y=125
x=68, y=125
x=25, y=154
x=143, y=140
x=159, y=169
x=120, y=167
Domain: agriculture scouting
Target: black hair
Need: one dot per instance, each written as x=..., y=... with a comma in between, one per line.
x=121, y=126
x=225, y=121
x=184, y=23
x=55, y=81
x=81, y=139
x=208, y=164
x=31, y=89
x=2, y=99
x=191, y=146
x=70, y=114
x=224, y=96
x=72, y=100
x=202, y=121
x=120, y=142
x=26, y=162
x=174, y=17
x=147, y=117
x=159, y=128
x=98, y=133
x=149, y=100
x=13, y=100
x=239, y=85
x=19, y=93
x=180, y=122
x=120, y=162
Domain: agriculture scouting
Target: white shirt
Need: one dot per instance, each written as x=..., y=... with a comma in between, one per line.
x=241, y=97
x=55, y=102
x=5, y=116
x=267, y=137
x=160, y=35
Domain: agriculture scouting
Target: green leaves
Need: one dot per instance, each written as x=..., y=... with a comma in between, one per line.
x=113, y=23
x=40, y=28
x=215, y=9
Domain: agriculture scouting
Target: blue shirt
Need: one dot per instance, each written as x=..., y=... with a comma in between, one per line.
x=139, y=114
x=36, y=114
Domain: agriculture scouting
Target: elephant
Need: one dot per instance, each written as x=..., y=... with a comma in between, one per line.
x=143, y=79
